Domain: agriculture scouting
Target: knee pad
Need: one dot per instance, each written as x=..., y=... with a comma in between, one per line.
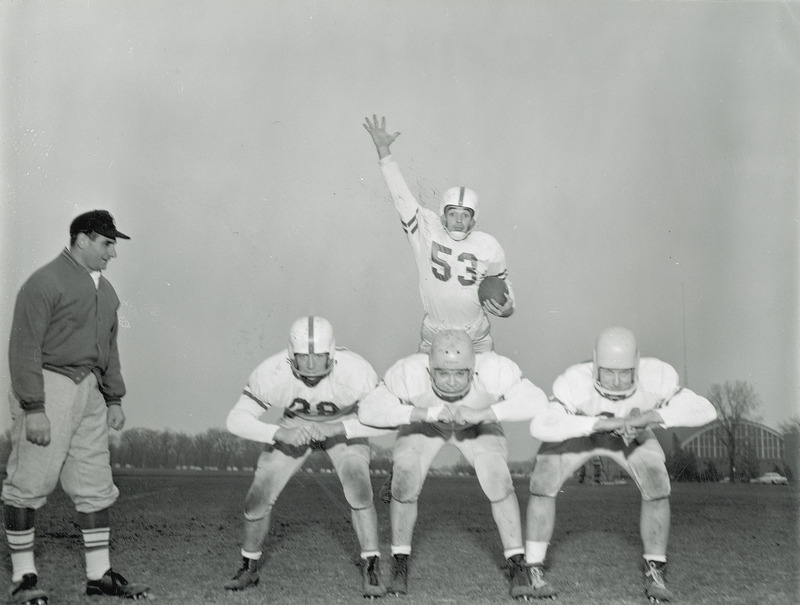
x=258, y=504
x=406, y=483
x=650, y=473
x=356, y=483
x=546, y=476
x=494, y=477
x=655, y=486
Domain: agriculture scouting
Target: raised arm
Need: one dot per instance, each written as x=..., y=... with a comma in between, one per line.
x=382, y=139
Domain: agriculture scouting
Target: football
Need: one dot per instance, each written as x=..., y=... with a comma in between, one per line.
x=494, y=288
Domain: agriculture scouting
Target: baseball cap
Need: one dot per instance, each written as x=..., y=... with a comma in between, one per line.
x=99, y=221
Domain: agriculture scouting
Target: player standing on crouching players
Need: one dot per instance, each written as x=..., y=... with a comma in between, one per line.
x=317, y=387
x=453, y=396
x=605, y=408
x=452, y=257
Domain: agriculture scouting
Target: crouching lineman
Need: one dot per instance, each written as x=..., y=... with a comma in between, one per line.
x=317, y=387
x=605, y=408
x=453, y=396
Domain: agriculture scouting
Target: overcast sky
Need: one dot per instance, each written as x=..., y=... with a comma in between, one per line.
x=638, y=161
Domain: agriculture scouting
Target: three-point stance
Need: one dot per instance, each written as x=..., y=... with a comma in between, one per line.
x=316, y=386
x=67, y=393
x=453, y=396
x=605, y=408
x=452, y=257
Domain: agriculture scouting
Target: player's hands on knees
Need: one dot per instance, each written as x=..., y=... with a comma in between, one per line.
x=438, y=413
x=37, y=428
x=301, y=435
x=504, y=310
x=609, y=425
x=636, y=422
x=116, y=417
x=465, y=415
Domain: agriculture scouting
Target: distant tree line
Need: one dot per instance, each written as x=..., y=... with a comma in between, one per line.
x=212, y=449
x=735, y=402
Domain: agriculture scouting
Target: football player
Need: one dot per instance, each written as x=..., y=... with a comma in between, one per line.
x=452, y=256
x=453, y=396
x=316, y=386
x=606, y=407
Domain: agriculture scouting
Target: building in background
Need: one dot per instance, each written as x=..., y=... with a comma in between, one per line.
x=760, y=449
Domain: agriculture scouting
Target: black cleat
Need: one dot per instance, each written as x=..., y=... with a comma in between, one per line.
x=540, y=588
x=245, y=577
x=371, y=577
x=399, y=583
x=26, y=593
x=655, y=574
x=519, y=577
x=112, y=584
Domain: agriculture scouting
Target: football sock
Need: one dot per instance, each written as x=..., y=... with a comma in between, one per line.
x=366, y=554
x=95, y=542
x=401, y=550
x=535, y=552
x=513, y=551
x=255, y=556
x=659, y=558
x=20, y=546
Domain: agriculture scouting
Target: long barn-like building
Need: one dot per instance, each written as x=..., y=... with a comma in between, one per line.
x=767, y=445
x=772, y=450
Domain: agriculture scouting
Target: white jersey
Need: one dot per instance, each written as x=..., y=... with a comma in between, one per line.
x=274, y=385
x=578, y=404
x=498, y=383
x=449, y=271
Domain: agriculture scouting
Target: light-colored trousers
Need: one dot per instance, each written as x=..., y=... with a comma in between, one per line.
x=77, y=454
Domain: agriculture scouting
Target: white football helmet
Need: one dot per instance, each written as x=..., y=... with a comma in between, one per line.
x=460, y=197
x=311, y=335
x=616, y=349
x=451, y=350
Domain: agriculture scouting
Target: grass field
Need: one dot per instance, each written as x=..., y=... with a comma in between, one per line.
x=731, y=544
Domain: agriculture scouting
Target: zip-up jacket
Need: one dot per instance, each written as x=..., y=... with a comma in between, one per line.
x=64, y=324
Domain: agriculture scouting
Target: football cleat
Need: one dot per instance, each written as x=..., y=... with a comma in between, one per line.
x=399, y=583
x=112, y=584
x=519, y=577
x=540, y=588
x=656, y=590
x=26, y=593
x=371, y=577
x=245, y=577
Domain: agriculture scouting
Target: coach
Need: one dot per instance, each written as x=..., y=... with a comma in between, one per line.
x=67, y=392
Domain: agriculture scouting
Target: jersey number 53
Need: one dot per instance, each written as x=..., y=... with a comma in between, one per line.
x=442, y=263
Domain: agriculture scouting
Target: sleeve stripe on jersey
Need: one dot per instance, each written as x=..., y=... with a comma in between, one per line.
x=502, y=275
x=567, y=408
x=666, y=400
x=256, y=399
x=411, y=226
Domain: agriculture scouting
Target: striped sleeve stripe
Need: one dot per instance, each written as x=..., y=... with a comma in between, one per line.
x=411, y=226
x=256, y=399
